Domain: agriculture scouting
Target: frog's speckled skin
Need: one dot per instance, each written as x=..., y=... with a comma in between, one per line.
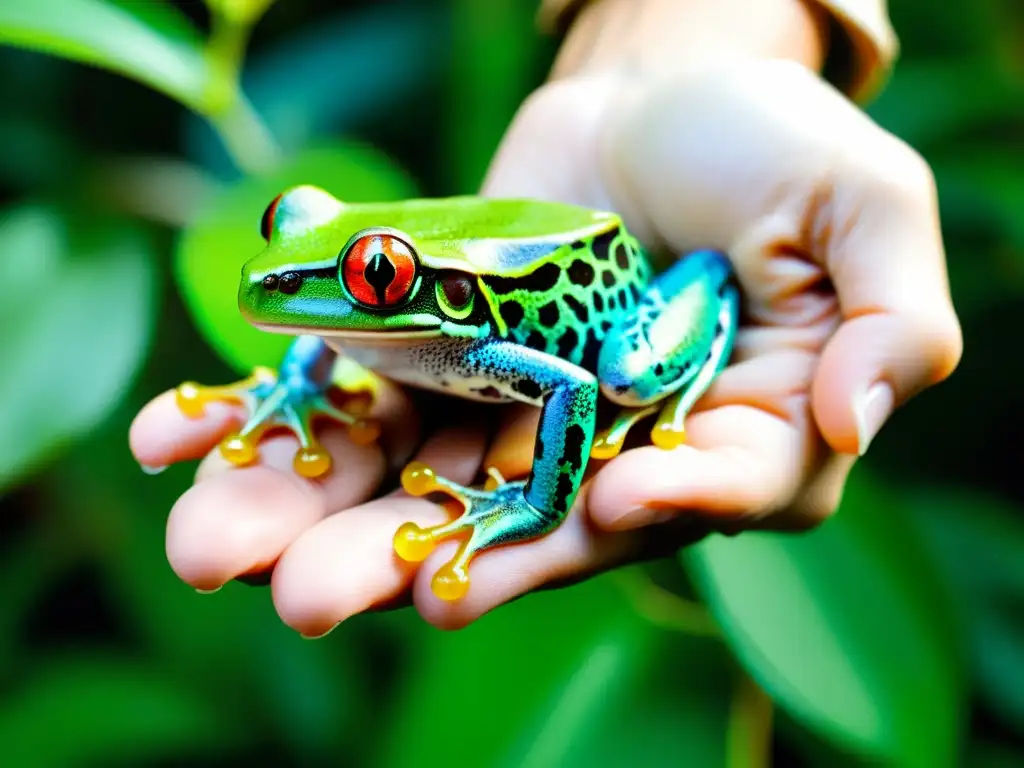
x=495, y=300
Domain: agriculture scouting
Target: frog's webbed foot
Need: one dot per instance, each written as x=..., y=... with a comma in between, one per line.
x=294, y=401
x=497, y=514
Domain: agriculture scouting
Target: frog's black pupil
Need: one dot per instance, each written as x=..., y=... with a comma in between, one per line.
x=380, y=273
x=458, y=289
x=270, y=282
x=290, y=282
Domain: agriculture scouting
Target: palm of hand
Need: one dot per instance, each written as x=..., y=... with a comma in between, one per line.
x=762, y=162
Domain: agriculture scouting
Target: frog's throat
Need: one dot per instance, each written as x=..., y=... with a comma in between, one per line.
x=396, y=334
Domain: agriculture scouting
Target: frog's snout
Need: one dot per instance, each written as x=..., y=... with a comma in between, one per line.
x=260, y=290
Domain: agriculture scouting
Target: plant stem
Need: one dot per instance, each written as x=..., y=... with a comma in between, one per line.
x=246, y=138
x=749, y=736
x=666, y=609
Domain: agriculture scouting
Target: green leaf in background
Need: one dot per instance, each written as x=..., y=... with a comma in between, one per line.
x=89, y=710
x=844, y=628
x=965, y=528
x=230, y=649
x=74, y=325
x=569, y=677
x=331, y=77
x=150, y=44
x=211, y=251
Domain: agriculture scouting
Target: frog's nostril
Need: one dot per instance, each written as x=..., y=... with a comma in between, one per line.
x=289, y=282
x=270, y=282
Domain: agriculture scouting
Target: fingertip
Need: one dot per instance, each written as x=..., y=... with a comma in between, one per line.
x=871, y=366
x=346, y=565
x=161, y=434
x=235, y=523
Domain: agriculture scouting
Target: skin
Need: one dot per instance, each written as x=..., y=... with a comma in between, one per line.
x=832, y=227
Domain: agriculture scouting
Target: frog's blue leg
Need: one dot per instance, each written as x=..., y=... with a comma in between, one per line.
x=294, y=400
x=665, y=355
x=505, y=513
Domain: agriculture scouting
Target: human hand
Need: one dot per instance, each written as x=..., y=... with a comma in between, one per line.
x=832, y=226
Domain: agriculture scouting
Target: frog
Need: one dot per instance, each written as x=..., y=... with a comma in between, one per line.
x=499, y=300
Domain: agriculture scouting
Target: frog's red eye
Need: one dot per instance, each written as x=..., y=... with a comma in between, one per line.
x=267, y=220
x=379, y=270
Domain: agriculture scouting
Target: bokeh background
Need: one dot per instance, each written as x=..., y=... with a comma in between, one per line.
x=140, y=141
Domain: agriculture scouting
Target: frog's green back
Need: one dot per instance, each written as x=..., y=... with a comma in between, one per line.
x=480, y=235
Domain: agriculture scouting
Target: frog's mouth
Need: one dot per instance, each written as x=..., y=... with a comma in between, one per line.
x=381, y=335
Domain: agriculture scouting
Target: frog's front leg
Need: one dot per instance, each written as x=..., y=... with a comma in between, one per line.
x=294, y=400
x=505, y=513
x=668, y=352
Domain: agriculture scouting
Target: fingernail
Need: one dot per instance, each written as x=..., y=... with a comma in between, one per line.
x=305, y=636
x=210, y=591
x=152, y=470
x=644, y=516
x=873, y=409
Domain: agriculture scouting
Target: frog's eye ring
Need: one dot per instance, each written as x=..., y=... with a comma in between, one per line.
x=379, y=269
x=267, y=220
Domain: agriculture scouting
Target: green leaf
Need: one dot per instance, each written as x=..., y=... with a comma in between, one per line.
x=74, y=325
x=568, y=677
x=211, y=252
x=150, y=43
x=844, y=629
x=93, y=710
x=329, y=77
x=978, y=541
x=303, y=702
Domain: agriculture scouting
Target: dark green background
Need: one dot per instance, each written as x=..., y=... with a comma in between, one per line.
x=892, y=635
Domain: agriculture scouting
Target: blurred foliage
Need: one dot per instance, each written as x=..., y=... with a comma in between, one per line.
x=892, y=635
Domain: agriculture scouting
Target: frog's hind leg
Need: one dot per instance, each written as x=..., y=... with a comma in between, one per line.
x=509, y=512
x=673, y=346
x=294, y=400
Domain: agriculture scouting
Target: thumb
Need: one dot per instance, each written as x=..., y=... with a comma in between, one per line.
x=899, y=333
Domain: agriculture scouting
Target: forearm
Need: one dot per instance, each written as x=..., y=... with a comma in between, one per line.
x=659, y=37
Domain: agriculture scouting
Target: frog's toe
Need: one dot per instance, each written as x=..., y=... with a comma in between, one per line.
x=294, y=404
x=498, y=514
x=669, y=431
x=411, y=542
x=608, y=443
x=668, y=436
x=312, y=459
x=239, y=449
x=192, y=398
